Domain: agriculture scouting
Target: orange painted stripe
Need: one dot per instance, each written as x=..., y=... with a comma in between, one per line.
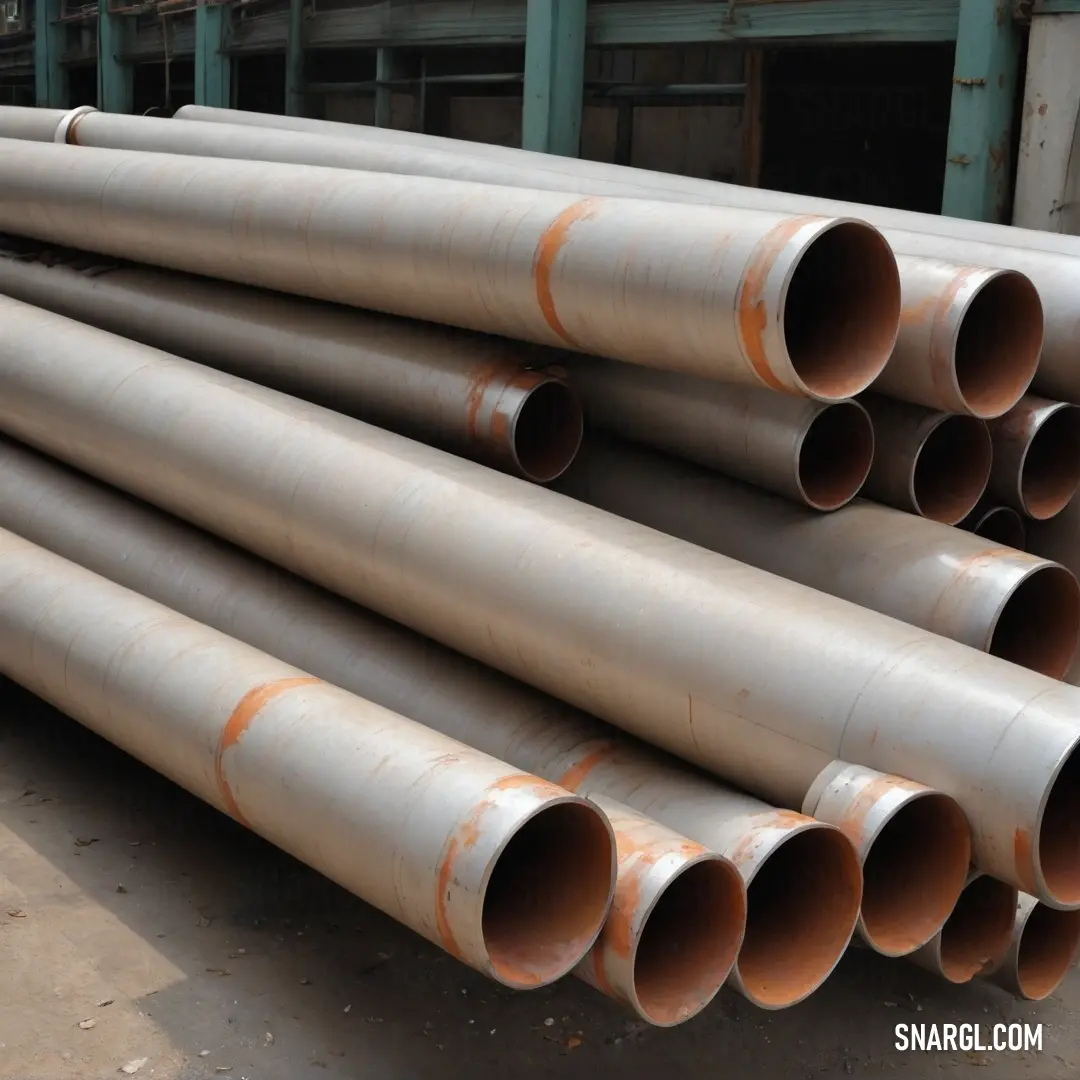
x=752, y=312
x=549, y=246
x=236, y=726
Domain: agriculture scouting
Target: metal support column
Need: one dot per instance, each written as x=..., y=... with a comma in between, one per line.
x=554, y=76
x=294, y=61
x=213, y=66
x=978, y=159
x=116, y=79
x=385, y=69
x=50, y=75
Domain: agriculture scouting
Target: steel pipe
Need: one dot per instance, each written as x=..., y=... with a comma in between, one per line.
x=1036, y=467
x=813, y=452
x=807, y=305
x=1002, y=524
x=803, y=875
x=28, y=122
x=933, y=464
x=909, y=887
x=1016, y=606
x=667, y=640
x=469, y=394
x=505, y=871
x=975, y=939
x=1058, y=538
x=969, y=337
x=1043, y=947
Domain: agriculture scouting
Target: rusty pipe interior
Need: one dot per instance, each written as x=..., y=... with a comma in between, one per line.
x=998, y=344
x=1001, y=524
x=835, y=455
x=1050, y=468
x=546, y=431
x=977, y=933
x=951, y=469
x=1059, y=834
x=1038, y=625
x=913, y=872
x=547, y=893
x=688, y=942
x=841, y=311
x=802, y=904
x=1046, y=950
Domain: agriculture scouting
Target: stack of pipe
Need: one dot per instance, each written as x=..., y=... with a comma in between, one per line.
x=783, y=345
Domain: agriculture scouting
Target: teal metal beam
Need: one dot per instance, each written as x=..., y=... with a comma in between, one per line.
x=294, y=61
x=50, y=75
x=116, y=78
x=978, y=168
x=385, y=69
x=213, y=65
x=554, y=76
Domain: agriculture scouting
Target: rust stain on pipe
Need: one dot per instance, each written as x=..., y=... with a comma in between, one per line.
x=853, y=822
x=547, y=249
x=753, y=316
x=576, y=775
x=942, y=341
x=1024, y=859
x=236, y=726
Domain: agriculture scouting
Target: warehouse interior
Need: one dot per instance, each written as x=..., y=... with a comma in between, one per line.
x=907, y=103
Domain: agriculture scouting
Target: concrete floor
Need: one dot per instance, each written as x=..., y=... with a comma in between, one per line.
x=193, y=944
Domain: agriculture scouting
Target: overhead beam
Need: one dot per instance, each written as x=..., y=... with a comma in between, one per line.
x=294, y=61
x=213, y=65
x=116, y=76
x=978, y=159
x=50, y=75
x=554, y=76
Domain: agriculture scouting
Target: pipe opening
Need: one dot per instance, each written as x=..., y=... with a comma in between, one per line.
x=952, y=468
x=979, y=931
x=913, y=874
x=1038, y=626
x=689, y=942
x=1059, y=836
x=1048, y=944
x=547, y=431
x=1003, y=525
x=548, y=894
x=835, y=456
x=998, y=344
x=1050, y=473
x=802, y=905
x=842, y=311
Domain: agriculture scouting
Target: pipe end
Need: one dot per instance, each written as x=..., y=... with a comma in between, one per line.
x=976, y=937
x=1050, y=472
x=952, y=469
x=835, y=455
x=1038, y=625
x=1047, y=946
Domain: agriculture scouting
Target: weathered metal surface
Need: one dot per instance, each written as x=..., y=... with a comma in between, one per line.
x=318, y=771
x=671, y=642
x=1043, y=947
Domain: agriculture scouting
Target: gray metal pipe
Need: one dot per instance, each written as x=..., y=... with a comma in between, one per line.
x=813, y=452
x=470, y=394
x=969, y=337
x=671, y=642
x=982, y=360
x=1002, y=524
x=803, y=875
x=1043, y=947
x=1016, y=606
x=807, y=305
x=932, y=464
x=505, y=871
x=1036, y=467
x=975, y=939
x=29, y=122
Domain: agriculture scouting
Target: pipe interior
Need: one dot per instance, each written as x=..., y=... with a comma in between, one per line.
x=842, y=311
x=1050, y=473
x=1059, y=835
x=548, y=894
x=835, y=456
x=547, y=431
x=801, y=909
x=1038, y=626
x=998, y=344
x=977, y=935
x=914, y=873
x=689, y=941
x=1003, y=525
x=1047, y=949
x=952, y=469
